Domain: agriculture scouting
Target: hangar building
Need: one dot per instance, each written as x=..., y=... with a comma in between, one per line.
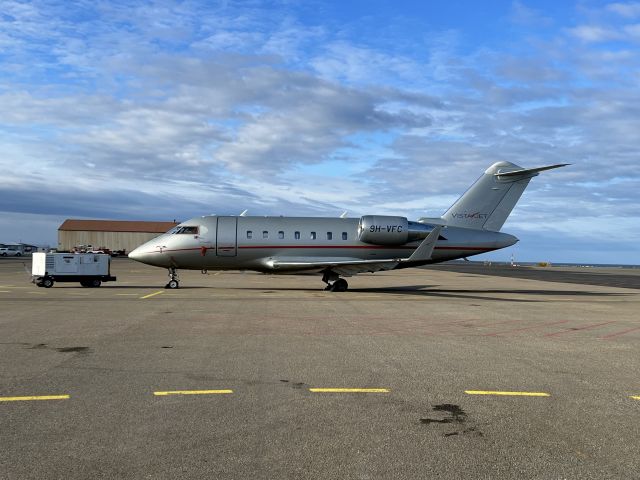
x=111, y=234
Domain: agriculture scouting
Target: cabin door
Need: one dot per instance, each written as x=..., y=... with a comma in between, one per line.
x=227, y=237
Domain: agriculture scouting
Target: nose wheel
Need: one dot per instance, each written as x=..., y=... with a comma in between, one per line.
x=173, y=279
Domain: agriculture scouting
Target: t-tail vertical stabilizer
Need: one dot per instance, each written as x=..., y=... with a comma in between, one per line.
x=489, y=201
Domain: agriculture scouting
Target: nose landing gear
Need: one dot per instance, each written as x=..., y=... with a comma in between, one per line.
x=334, y=282
x=173, y=279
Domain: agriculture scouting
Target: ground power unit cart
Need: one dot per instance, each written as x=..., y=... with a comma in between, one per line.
x=90, y=269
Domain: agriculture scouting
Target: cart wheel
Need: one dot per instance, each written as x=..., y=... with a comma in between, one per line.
x=84, y=284
x=47, y=283
x=95, y=283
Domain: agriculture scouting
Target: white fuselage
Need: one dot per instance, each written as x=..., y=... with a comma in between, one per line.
x=252, y=243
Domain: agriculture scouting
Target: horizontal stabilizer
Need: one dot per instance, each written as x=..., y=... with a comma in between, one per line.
x=528, y=171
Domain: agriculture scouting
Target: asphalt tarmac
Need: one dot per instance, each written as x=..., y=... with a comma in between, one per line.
x=459, y=375
x=603, y=276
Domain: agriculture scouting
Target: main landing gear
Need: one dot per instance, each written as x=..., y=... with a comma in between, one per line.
x=173, y=279
x=334, y=282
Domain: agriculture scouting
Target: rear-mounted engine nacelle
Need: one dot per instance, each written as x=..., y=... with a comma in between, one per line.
x=383, y=230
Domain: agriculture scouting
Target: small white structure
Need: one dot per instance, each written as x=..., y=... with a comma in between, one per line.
x=90, y=269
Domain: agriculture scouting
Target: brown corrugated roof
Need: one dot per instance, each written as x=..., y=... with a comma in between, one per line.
x=71, y=225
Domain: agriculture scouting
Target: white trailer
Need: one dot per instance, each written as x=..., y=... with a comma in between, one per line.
x=90, y=269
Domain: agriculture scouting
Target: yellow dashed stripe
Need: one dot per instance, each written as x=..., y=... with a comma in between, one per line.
x=39, y=397
x=520, y=394
x=152, y=294
x=192, y=392
x=349, y=390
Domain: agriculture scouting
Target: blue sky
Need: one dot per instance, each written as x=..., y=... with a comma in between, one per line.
x=163, y=110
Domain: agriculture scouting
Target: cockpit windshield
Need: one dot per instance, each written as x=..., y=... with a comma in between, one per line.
x=183, y=229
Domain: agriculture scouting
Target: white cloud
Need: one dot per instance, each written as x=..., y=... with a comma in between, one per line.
x=342, y=61
x=628, y=10
x=521, y=14
x=595, y=33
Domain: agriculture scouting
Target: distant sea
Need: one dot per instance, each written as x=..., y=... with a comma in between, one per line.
x=592, y=265
x=551, y=264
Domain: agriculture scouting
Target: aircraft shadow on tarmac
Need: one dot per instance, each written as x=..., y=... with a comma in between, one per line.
x=481, y=294
x=478, y=294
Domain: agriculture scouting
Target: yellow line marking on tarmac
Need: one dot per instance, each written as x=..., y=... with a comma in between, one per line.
x=349, y=390
x=152, y=294
x=39, y=397
x=192, y=392
x=635, y=397
x=521, y=394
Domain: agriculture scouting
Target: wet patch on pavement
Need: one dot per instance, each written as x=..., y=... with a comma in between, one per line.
x=448, y=413
x=73, y=350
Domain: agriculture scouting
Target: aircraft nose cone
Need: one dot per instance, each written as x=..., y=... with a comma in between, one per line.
x=149, y=254
x=136, y=254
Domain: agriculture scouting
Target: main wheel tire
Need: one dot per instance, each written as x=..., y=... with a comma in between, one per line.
x=173, y=284
x=340, y=285
x=47, y=283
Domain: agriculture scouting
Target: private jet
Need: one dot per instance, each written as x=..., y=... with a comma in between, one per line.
x=342, y=247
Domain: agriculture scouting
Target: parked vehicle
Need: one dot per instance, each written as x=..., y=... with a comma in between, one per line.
x=5, y=252
x=90, y=269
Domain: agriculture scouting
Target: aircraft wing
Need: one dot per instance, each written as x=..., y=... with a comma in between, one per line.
x=351, y=266
x=341, y=265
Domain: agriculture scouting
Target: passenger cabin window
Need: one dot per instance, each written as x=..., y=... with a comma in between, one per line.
x=249, y=234
x=281, y=234
x=313, y=235
x=265, y=234
x=297, y=235
x=186, y=230
x=344, y=235
x=329, y=235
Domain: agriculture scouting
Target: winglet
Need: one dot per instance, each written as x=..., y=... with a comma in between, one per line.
x=425, y=249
